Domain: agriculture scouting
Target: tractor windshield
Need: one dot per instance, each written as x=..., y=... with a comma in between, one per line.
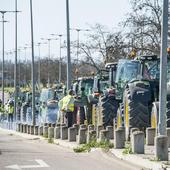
x=127, y=70
x=88, y=85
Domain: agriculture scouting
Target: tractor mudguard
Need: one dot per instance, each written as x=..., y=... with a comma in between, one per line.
x=139, y=91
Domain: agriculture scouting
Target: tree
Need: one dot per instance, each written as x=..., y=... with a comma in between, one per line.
x=144, y=25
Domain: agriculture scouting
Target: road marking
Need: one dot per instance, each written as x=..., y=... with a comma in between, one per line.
x=41, y=164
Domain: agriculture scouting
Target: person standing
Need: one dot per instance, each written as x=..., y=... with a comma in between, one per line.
x=68, y=107
x=83, y=105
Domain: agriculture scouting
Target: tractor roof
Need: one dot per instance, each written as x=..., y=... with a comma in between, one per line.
x=109, y=65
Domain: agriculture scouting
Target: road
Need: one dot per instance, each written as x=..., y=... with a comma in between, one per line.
x=21, y=153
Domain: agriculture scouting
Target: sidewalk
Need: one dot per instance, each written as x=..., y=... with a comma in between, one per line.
x=146, y=160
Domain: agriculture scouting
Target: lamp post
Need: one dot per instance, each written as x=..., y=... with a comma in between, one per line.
x=3, y=53
x=32, y=68
x=49, y=57
x=78, y=44
x=60, y=62
x=69, y=76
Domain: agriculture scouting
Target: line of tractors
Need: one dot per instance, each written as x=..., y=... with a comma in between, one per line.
x=125, y=93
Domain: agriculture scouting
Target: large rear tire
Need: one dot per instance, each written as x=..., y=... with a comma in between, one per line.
x=136, y=114
x=107, y=110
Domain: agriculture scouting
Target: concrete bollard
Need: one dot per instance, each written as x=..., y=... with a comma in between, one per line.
x=45, y=131
x=82, y=136
x=90, y=127
x=99, y=128
x=168, y=134
x=104, y=135
x=24, y=128
x=133, y=130
x=64, y=132
x=137, y=142
x=28, y=129
x=110, y=129
x=35, y=130
x=40, y=130
x=31, y=130
x=77, y=128
x=57, y=132
x=91, y=136
x=21, y=130
x=119, y=138
x=51, y=132
x=161, y=147
x=150, y=136
x=83, y=126
x=72, y=132
x=18, y=127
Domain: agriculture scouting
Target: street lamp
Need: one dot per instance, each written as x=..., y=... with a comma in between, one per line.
x=69, y=76
x=32, y=68
x=78, y=43
x=39, y=62
x=3, y=53
x=60, y=62
x=49, y=57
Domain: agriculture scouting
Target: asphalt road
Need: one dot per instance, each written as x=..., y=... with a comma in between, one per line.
x=20, y=153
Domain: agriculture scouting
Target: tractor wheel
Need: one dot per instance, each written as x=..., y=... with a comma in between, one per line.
x=136, y=114
x=107, y=109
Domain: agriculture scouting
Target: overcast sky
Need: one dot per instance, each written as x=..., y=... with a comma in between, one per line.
x=49, y=17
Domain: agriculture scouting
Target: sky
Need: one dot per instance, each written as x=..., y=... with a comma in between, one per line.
x=49, y=17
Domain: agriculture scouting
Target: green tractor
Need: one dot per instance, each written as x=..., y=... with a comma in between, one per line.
x=82, y=113
x=137, y=90
x=105, y=109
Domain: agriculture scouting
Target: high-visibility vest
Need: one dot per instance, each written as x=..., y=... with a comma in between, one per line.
x=11, y=109
x=68, y=103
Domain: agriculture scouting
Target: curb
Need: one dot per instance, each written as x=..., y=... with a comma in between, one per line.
x=137, y=160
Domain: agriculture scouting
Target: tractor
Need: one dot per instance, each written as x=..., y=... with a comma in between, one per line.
x=105, y=108
x=48, y=106
x=137, y=90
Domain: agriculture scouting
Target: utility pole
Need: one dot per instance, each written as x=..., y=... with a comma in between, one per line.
x=32, y=68
x=78, y=44
x=163, y=71
x=3, y=53
x=60, y=59
x=39, y=64
x=49, y=58
x=69, y=76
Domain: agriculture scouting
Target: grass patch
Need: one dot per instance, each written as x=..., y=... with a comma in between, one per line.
x=51, y=140
x=106, y=145
x=127, y=150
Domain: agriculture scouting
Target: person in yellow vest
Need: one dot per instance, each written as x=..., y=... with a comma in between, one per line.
x=68, y=107
x=10, y=111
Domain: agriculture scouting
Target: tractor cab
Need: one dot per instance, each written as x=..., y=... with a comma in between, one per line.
x=86, y=82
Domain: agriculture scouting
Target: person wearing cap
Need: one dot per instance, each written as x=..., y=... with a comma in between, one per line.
x=67, y=107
